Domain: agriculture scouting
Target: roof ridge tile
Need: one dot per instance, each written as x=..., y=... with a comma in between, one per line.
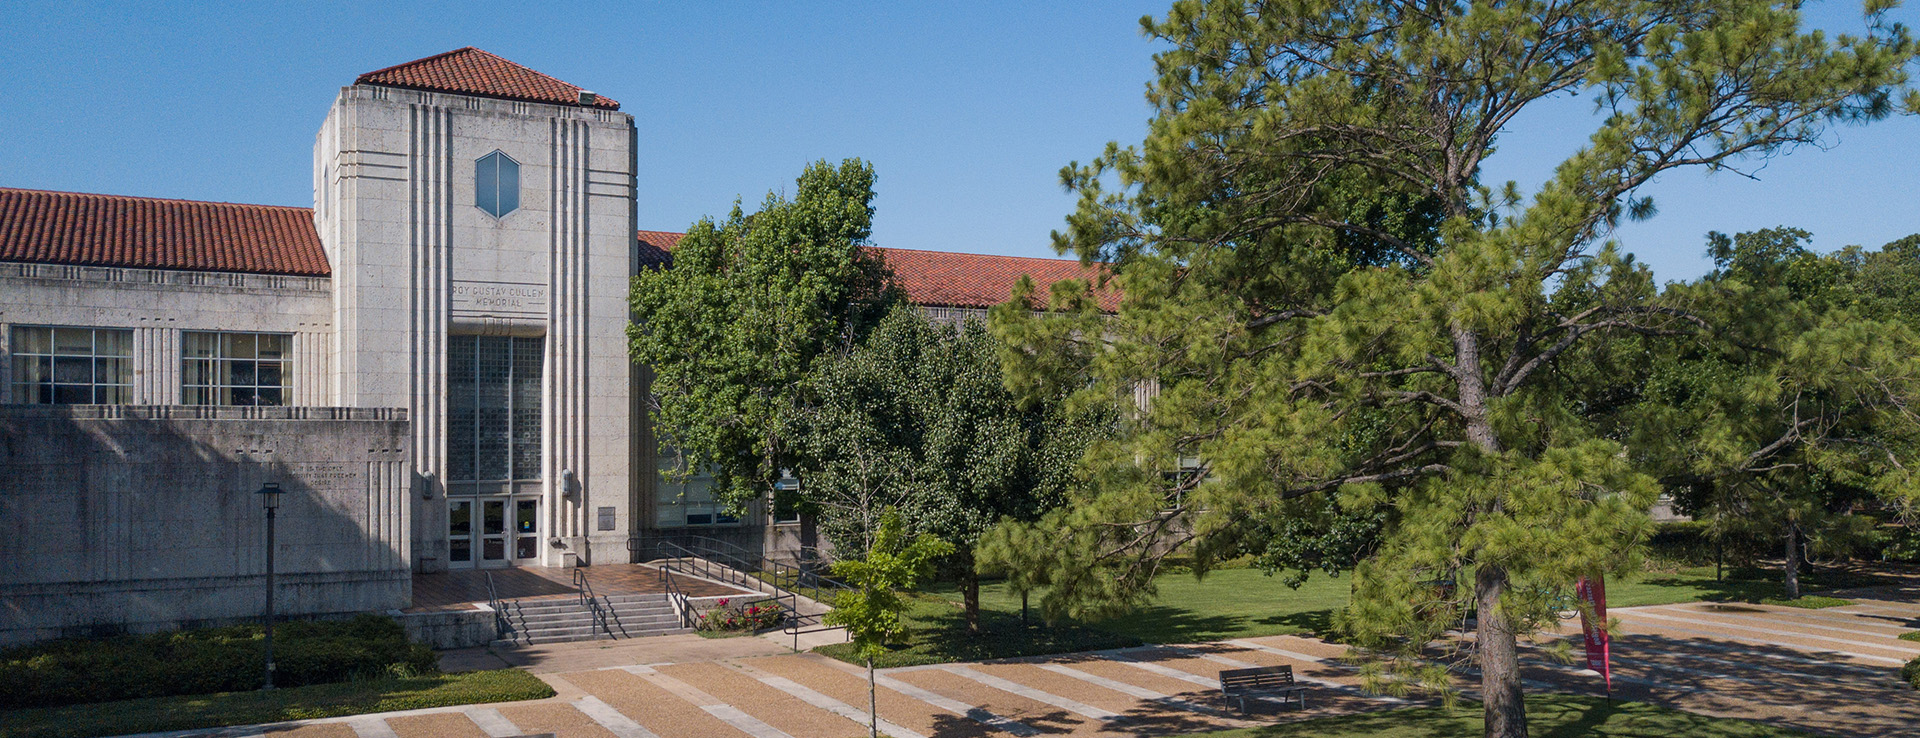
x=473, y=71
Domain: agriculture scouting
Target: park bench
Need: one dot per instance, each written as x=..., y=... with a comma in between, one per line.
x=1263, y=681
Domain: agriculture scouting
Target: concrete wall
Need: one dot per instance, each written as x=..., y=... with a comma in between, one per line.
x=445, y=629
x=145, y=518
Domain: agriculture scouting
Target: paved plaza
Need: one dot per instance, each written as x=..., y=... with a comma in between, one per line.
x=1831, y=671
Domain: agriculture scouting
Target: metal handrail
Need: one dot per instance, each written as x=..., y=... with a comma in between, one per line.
x=784, y=578
x=675, y=597
x=501, y=626
x=591, y=601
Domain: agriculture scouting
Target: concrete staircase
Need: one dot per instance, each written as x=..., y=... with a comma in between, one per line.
x=536, y=622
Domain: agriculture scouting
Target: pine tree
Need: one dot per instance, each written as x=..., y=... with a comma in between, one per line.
x=1328, y=300
x=1797, y=409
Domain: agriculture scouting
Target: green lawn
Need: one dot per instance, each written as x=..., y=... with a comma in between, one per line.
x=1229, y=603
x=937, y=635
x=1549, y=716
x=1739, y=585
x=1242, y=603
x=246, y=708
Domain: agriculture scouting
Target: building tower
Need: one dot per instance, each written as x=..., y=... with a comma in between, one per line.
x=480, y=220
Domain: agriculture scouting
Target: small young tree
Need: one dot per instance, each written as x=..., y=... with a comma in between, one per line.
x=871, y=610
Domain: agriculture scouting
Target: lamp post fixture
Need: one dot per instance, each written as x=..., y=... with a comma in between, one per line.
x=270, y=499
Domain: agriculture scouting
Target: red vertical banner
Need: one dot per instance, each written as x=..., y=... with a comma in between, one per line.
x=1593, y=622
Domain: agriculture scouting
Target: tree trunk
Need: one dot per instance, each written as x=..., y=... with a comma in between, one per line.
x=1793, y=561
x=970, y=582
x=873, y=703
x=1505, y=706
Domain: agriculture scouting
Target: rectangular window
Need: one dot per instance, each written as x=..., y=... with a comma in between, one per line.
x=493, y=408
x=235, y=368
x=72, y=366
x=786, y=500
x=689, y=503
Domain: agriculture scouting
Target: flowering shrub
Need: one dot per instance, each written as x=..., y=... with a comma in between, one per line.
x=746, y=616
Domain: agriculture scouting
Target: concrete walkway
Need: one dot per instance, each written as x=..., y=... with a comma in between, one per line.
x=749, y=686
x=1830, y=671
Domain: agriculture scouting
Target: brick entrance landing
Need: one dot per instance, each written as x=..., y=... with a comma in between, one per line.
x=459, y=589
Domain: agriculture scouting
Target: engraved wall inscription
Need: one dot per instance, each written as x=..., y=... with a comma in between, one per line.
x=472, y=298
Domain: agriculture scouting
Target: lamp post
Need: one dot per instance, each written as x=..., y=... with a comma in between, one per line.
x=270, y=499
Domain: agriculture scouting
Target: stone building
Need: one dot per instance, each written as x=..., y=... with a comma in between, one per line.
x=432, y=359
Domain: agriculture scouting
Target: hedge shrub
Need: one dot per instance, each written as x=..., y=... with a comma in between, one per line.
x=1911, y=672
x=210, y=660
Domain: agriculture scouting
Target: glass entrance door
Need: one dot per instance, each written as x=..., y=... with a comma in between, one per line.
x=460, y=534
x=493, y=531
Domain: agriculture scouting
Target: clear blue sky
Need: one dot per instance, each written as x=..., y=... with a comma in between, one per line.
x=968, y=110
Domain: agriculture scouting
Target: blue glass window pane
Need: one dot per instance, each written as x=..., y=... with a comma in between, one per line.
x=509, y=184
x=486, y=184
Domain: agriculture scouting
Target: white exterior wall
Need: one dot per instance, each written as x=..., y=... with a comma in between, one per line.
x=159, y=305
x=414, y=260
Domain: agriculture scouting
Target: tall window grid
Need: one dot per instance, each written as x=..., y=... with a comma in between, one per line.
x=493, y=408
x=72, y=366
x=235, y=368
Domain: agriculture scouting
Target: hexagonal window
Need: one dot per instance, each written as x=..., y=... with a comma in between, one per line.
x=496, y=184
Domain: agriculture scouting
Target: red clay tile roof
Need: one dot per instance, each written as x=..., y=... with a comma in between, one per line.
x=655, y=246
x=470, y=71
x=952, y=279
x=151, y=233
x=942, y=278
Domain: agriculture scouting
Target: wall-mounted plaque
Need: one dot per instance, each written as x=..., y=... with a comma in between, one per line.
x=606, y=518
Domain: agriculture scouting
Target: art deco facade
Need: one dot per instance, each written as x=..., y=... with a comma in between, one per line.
x=434, y=354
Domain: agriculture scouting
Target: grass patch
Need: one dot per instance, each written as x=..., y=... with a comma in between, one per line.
x=1228, y=603
x=1246, y=603
x=1808, y=602
x=296, y=703
x=1548, y=716
x=1743, y=584
x=1911, y=636
x=937, y=634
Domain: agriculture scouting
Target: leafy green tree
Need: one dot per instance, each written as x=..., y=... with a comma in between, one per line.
x=1329, y=300
x=733, y=328
x=1885, y=284
x=916, y=418
x=1796, y=409
x=871, y=610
